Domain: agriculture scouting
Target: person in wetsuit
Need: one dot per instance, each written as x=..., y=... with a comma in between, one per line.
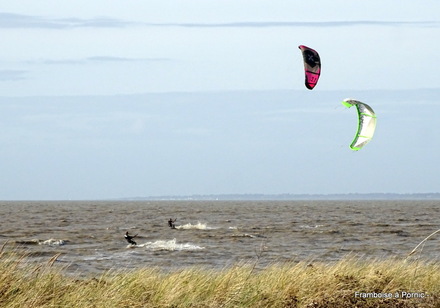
x=130, y=238
x=171, y=223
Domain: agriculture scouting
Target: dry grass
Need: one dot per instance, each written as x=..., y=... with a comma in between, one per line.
x=23, y=284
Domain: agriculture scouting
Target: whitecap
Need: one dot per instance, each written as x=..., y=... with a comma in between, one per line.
x=52, y=242
x=249, y=235
x=198, y=226
x=170, y=245
x=311, y=226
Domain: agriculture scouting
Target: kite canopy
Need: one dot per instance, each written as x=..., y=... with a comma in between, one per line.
x=366, y=124
x=312, y=66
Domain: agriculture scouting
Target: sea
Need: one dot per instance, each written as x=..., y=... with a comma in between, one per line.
x=88, y=236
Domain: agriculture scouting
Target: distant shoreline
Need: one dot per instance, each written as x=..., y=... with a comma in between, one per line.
x=290, y=197
x=261, y=197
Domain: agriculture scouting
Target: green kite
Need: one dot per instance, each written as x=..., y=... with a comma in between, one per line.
x=366, y=123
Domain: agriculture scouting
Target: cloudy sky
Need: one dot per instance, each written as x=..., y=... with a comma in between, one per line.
x=113, y=99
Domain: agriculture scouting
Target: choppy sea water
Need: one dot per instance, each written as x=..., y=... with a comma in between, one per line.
x=90, y=235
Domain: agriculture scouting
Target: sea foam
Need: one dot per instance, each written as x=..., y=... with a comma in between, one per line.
x=198, y=226
x=170, y=245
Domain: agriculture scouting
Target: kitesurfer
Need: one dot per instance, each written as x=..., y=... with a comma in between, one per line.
x=171, y=223
x=130, y=238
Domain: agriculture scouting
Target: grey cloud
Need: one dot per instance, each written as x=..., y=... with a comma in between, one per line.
x=9, y=20
x=63, y=61
x=101, y=22
x=12, y=75
x=122, y=59
x=95, y=59
x=298, y=24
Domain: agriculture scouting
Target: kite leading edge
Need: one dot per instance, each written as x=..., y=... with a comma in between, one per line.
x=312, y=66
x=366, y=123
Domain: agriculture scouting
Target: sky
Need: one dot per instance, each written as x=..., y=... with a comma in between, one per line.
x=120, y=99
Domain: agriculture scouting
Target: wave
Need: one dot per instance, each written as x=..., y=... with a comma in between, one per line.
x=248, y=235
x=198, y=226
x=170, y=245
x=49, y=242
x=52, y=242
x=27, y=242
x=311, y=226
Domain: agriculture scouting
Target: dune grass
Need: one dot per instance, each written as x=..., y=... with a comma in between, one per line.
x=350, y=282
